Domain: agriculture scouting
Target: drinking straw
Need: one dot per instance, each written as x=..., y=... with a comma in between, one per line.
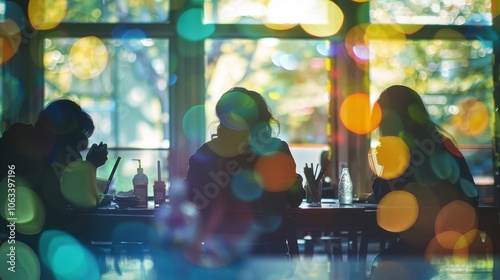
x=159, y=170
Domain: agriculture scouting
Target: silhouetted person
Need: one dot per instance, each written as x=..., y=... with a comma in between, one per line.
x=243, y=171
x=437, y=173
x=48, y=171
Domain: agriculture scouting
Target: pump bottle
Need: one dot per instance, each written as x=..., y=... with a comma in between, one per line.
x=140, y=182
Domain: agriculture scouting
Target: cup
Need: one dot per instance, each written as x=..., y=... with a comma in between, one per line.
x=314, y=193
x=159, y=193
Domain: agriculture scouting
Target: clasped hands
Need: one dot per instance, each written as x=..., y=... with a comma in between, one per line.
x=98, y=154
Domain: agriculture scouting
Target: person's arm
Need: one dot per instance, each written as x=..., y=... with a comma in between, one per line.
x=296, y=193
x=380, y=188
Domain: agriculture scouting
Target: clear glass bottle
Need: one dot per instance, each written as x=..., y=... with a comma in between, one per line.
x=345, y=187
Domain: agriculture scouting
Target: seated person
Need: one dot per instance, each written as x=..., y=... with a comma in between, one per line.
x=46, y=160
x=242, y=181
x=434, y=172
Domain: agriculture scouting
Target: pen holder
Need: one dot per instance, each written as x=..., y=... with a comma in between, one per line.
x=313, y=193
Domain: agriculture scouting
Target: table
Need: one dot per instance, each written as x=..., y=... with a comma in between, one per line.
x=359, y=219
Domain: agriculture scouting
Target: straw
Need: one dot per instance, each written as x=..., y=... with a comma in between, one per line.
x=159, y=171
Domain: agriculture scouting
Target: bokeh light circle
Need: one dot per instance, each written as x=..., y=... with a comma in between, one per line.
x=88, y=57
x=438, y=256
x=23, y=260
x=45, y=15
x=237, y=111
x=11, y=36
x=397, y=211
x=190, y=25
x=356, y=46
x=393, y=157
x=377, y=38
x=275, y=172
x=28, y=208
x=132, y=39
x=66, y=257
x=72, y=176
x=334, y=21
x=357, y=114
x=244, y=186
x=459, y=217
x=472, y=118
x=278, y=20
x=191, y=124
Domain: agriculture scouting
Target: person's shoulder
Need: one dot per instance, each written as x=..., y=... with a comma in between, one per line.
x=202, y=154
x=19, y=129
x=273, y=141
x=278, y=142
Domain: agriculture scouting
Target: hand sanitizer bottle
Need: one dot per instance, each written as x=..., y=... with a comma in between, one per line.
x=140, y=182
x=345, y=187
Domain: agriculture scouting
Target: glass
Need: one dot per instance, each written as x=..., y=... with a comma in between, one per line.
x=475, y=12
x=117, y=11
x=122, y=84
x=455, y=79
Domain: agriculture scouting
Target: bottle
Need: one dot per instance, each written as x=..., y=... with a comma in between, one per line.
x=345, y=187
x=140, y=182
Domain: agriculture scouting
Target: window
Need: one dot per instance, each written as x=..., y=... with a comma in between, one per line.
x=456, y=82
x=123, y=85
x=291, y=74
x=475, y=12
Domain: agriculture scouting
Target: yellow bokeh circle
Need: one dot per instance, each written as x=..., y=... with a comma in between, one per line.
x=88, y=57
x=333, y=23
x=392, y=156
x=397, y=211
x=357, y=115
x=45, y=15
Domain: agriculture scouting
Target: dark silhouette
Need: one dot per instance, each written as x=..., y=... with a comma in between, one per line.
x=437, y=174
x=239, y=177
x=45, y=160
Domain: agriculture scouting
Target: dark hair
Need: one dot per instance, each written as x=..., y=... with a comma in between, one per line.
x=65, y=118
x=240, y=109
x=404, y=115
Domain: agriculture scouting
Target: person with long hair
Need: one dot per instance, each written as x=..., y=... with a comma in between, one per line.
x=432, y=170
x=242, y=172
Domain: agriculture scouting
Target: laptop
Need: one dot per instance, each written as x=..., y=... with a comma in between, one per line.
x=107, y=199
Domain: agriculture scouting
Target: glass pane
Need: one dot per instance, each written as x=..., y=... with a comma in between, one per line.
x=455, y=79
x=292, y=77
x=265, y=11
x=122, y=84
x=113, y=11
x=461, y=12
